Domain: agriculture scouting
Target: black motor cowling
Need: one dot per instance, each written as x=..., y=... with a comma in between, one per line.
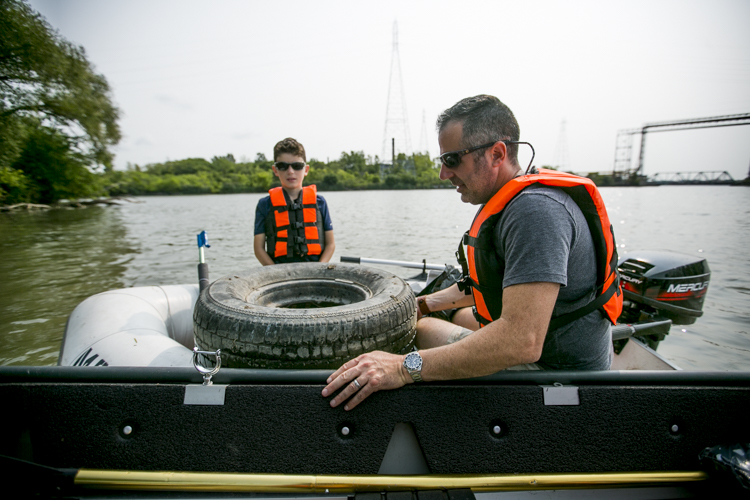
x=663, y=285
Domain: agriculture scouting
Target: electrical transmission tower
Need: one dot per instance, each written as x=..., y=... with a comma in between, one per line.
x=424, y=146
x=396, y=120
x=561, y=151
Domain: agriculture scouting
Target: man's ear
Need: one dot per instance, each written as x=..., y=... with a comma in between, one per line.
x=275, y=172
x=499, y=153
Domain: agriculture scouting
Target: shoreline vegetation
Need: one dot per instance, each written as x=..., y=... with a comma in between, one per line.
x=29, y=207
x=222, y=175
x=352, y=171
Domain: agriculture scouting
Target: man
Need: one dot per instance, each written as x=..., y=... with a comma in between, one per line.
x=533, y=257
x=292, y=223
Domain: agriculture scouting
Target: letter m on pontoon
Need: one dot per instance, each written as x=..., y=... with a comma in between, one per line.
x=86, y=360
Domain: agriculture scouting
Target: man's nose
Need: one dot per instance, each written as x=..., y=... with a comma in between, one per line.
x=445, y=172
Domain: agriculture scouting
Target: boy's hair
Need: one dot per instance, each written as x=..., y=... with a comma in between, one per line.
x=290, y=146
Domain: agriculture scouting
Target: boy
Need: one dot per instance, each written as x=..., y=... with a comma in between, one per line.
x=292, y=223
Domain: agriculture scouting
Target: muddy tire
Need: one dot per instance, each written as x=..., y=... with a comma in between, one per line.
x=308, y=315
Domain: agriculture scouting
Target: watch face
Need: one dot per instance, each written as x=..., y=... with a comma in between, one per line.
x=413, y=361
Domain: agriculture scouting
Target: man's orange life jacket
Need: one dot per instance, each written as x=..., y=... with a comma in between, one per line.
x=294, y=229
x=484, y=275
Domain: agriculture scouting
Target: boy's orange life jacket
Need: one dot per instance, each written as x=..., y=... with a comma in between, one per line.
x=294, y=228
x=484, y=275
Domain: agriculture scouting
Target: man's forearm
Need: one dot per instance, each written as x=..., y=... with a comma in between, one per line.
x=448, y=298
x=486, y=351
x=516, y=337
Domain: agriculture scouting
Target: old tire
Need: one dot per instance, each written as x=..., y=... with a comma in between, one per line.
x=310, y=315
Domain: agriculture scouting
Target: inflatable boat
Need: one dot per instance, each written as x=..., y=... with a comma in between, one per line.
x=278, y=316
x=137, y=409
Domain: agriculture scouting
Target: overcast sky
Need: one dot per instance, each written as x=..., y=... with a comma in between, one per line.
x=203, y=79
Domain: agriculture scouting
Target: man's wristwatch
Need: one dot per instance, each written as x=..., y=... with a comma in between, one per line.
x=413, y=365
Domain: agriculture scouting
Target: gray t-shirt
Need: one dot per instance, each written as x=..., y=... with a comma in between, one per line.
x=543, y=236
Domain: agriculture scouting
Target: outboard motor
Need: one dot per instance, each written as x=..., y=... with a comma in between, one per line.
x=663, y=285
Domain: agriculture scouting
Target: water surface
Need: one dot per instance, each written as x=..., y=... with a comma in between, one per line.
x=53, y=260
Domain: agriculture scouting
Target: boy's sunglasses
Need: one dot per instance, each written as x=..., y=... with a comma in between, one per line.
x=283, y=166
x=452, y=159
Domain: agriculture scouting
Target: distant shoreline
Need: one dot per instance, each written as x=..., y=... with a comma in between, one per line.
x=115, y=200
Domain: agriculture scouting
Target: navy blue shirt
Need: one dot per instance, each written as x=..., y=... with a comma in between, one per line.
x=264, y=207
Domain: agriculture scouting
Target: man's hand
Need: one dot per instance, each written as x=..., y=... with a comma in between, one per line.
x=364, y=375
x=419, y=309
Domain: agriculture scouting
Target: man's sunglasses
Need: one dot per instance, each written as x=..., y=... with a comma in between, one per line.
x=283, y=166
x=452, y=159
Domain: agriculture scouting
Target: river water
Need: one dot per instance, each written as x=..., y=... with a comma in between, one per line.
x=53, y=260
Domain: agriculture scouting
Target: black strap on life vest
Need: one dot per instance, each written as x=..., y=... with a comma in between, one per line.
x=466, y=283
x=598, y=302
x=296, y=232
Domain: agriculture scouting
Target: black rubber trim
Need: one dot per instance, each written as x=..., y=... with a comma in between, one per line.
x=38, y=481
x=237, y=376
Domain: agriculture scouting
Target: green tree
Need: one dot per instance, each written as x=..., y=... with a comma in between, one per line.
x=13, y=186
x=262, y=162
x=180, y=167
x=261, y=180
x=354, y=162
x=45, y=81
x=55, y=170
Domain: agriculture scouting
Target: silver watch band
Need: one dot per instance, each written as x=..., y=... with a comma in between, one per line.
x=413, y=365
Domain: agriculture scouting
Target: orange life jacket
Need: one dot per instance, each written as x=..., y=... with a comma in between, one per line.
x=483, y=275
x=294, y=229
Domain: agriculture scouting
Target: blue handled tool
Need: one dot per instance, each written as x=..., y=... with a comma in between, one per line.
x=202, y=266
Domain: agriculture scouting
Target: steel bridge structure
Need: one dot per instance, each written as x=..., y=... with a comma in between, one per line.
x=715, y=177
x=624, y=148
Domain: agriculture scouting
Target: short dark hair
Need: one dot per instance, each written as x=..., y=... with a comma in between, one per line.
x=485, y=119
x=290, y=146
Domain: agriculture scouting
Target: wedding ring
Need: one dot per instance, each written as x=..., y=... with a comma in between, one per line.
x=356, y=383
